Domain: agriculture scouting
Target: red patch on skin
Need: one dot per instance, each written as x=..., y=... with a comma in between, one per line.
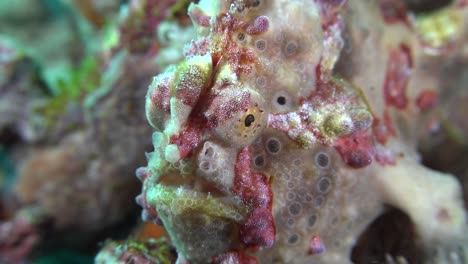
x=188, y=95
x=426, y=100
x=329, y=10
x=382, y=131
x=394, y=11
x=234, y=257
x=326, y=90
x=255, y=190
x=200, y=46
x=240, y=59
x=160, y=98
x=389, y=123
x=199, y=17
x=258, y=26
x=190, y=137
x=356, y=150
x=225, y=105
x=399, y=67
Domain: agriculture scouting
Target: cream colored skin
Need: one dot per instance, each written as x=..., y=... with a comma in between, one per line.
x=328, y=199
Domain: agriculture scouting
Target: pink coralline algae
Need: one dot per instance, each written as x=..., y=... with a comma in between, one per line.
x=291, y=125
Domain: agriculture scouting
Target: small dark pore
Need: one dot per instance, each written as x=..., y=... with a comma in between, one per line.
x=259, y=161
x=293, y=239
x=281, y=100
x=312, y=219
x=291, y=48
x=209, y=152
x=324, y=185
x=273, y=145
x=295, y=209
x=260, y=44
x=322, y=160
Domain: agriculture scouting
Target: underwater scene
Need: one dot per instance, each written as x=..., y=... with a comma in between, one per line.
x=234, y=131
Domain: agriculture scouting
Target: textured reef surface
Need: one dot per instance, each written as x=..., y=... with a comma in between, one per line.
x=280, y=131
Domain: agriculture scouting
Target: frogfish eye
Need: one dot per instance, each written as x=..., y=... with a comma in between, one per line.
x=249, y=119
x=244, y=123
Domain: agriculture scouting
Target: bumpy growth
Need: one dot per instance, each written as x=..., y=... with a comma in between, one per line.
x=263, y=153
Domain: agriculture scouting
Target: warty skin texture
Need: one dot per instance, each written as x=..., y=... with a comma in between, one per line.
x=276, y=143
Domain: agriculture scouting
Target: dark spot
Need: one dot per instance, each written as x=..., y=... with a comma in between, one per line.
x=260, y=44
x=241, y=36
x=312, y=220
x=322, y=160
x=273, y=145
x=292, y=239
x=259, y=161
x=324, y=185
x=295, y=209
x=255, y=3
x=281, y=100
x=291, y=48
x=319, y=200
x=290, y=222
x=209, y=152
x=249, y=119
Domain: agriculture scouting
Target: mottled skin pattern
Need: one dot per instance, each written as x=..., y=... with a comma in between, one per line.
x=131, y=251
x=286, y=131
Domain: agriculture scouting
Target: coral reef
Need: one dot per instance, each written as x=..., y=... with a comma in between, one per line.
x=286, y=131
